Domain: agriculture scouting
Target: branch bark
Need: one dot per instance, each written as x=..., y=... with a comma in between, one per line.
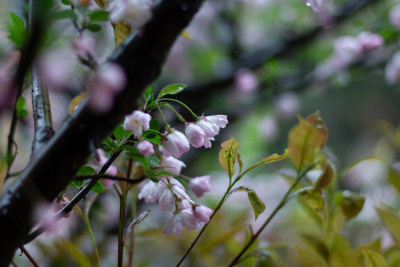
x=141, y=56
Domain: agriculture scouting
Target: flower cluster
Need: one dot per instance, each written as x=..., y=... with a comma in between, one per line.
x=164, y=188
x=135, y=13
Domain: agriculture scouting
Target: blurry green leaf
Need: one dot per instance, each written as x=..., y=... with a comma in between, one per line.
x=318, y=245
x=21, y=111
x=154, y=161
x=66, y=2
x=99, y=15
x=325, y=179
x=147, y=92
x=256, y=202
x=394, y=178
x=101, y=3
x=155, y=125
x=76, y=183
x=392, y=222
x=98, y=187
x=121, y=31
x=16, y=30
x=171, y=89
x=155, y=140
x=119, y=132
x=3, y=172
x=86, y=170
x=65, y=14
x=185, y=34
x=306, y=140
x=240, y=163
x=228, y=154
x=373, y=258
x=272, y=158
x=135, y=155
x=76, y=252
x=351, y=203
x=75, y=102
x=93, y=27
x=313, y=198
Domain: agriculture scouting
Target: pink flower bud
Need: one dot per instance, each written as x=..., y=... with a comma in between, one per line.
x=200, y=185
x=246, y=81
x=151, y=191
x=176, y=143
x=172, y=165
x=394, y=16
x=145, y=148
x=202, y=213
x=369, y=41
x=392, y=70
x=137, y=122
x=181, y=218
x=195, y=135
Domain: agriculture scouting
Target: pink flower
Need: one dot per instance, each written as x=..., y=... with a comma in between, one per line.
x=316, y=5
x=202, y=213
x=137, y=122
x=151, y=191
x=245, y=80
x=346, y=48
x=98, y=161
x=176, y=143
x=133, y=12
x=195, y=135
x=172, y=165
x=392, y=70
x=369, y=41
x=210, y=126
x=181, y=218
x=107, y=82
x=394, y=16
x=145, y=148
x=174, y=196
x=84, y=45
x=200, y=185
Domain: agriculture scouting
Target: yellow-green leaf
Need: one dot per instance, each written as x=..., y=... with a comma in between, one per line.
x=392, y=222
x=100, y=3
x=3, y=172
x=373, y=258
x=228, y=154
x=121, y=31
x=185, y=34
x=75, y=103
x=272, y=158
x=351, y=203
x=240, y=163
x=306, y=140
x=256, y=203
x=326, y=178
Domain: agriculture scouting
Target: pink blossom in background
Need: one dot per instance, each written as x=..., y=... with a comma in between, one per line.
x=287, y=105
x=394, y=16
x=316, y=5
x=268, y=127
x=368, y=41
x=172, y=165
x=195, y=135
x=202, y=213
x=84, y=45
x=98, y=160
x=346, y=49
x=107, y=82
x=392, y=70
x=176, y=143
x=136, y=122
x=246, y=81
x=145, y=148
x=179, y=219
x=200, y=185
x=135, y=13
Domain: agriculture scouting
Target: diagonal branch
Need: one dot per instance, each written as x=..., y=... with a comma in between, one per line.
x=141, y=56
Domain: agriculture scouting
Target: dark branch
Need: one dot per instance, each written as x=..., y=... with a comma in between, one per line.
x=142, y=57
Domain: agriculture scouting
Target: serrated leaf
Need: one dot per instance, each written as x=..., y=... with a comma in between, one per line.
x=392, y=222
x=86, y=170
x=228, y=154
x=121, y=31
x=93, y=27
x=373, y=258
x=326, y=178
x=65, y=14
x=185, y=34
x=99, y=15
x=172, y=89
x=75, y=102
x=3, y=172
x=306, y=140
x=98, y=187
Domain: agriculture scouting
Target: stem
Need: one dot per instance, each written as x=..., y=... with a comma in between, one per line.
x=122, y=199
x=270, y=217
x=184, y=105
x=106, y=176
x=85, y=218
x=34, y=263
x=132, y=233
x=165, y=121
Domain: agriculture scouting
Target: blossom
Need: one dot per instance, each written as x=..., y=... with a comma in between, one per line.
x=145, y=148
x=394, y=16
x=174, y=197
x=392, y=70
x=202, y=213
x=132, y=12
x=195, y=135
x=316, y=5
x=368, y=41
x=179, y=219
x=210, y=126
x=98, y=161
x=200, y=185
x=172, y=165
x=346, y=49
x=84, y=45
x=107, y=82
x=151, y=191
x=137, y=122
x=176, y=143
x=246, y=81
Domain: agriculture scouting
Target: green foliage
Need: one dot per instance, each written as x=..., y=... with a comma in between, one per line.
x=20, y=106
x=98, y=187
x=64, y=14
x=228, y=154
x=256, y=203
x=93, y=27
x=99, y=15
x=171, y=89
x=16, y=30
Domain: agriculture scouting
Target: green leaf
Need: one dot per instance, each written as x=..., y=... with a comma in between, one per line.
x=21, y=111
x=155, y=140
x=351, y=203
x=272, y=158
x=392, y=222
x=255, y=201
x=373, y=258
x=16, y=30
x=65, y=14
x=93, y=27
x=86, y=170
x=76, y=183
x=228, y=154
x=147, y=92
x=121, y=31
x=155, y=125
x=326, y=178
x=66, y=2
x=3, y=172
x=139, y=158
x=98, y=187
x=120, y=132
x=154, y=161
x=99, y=15
x=394, y=178
x=171, y=89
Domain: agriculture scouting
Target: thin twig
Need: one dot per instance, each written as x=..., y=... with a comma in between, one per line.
x=111, y=177
x=29, y=256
